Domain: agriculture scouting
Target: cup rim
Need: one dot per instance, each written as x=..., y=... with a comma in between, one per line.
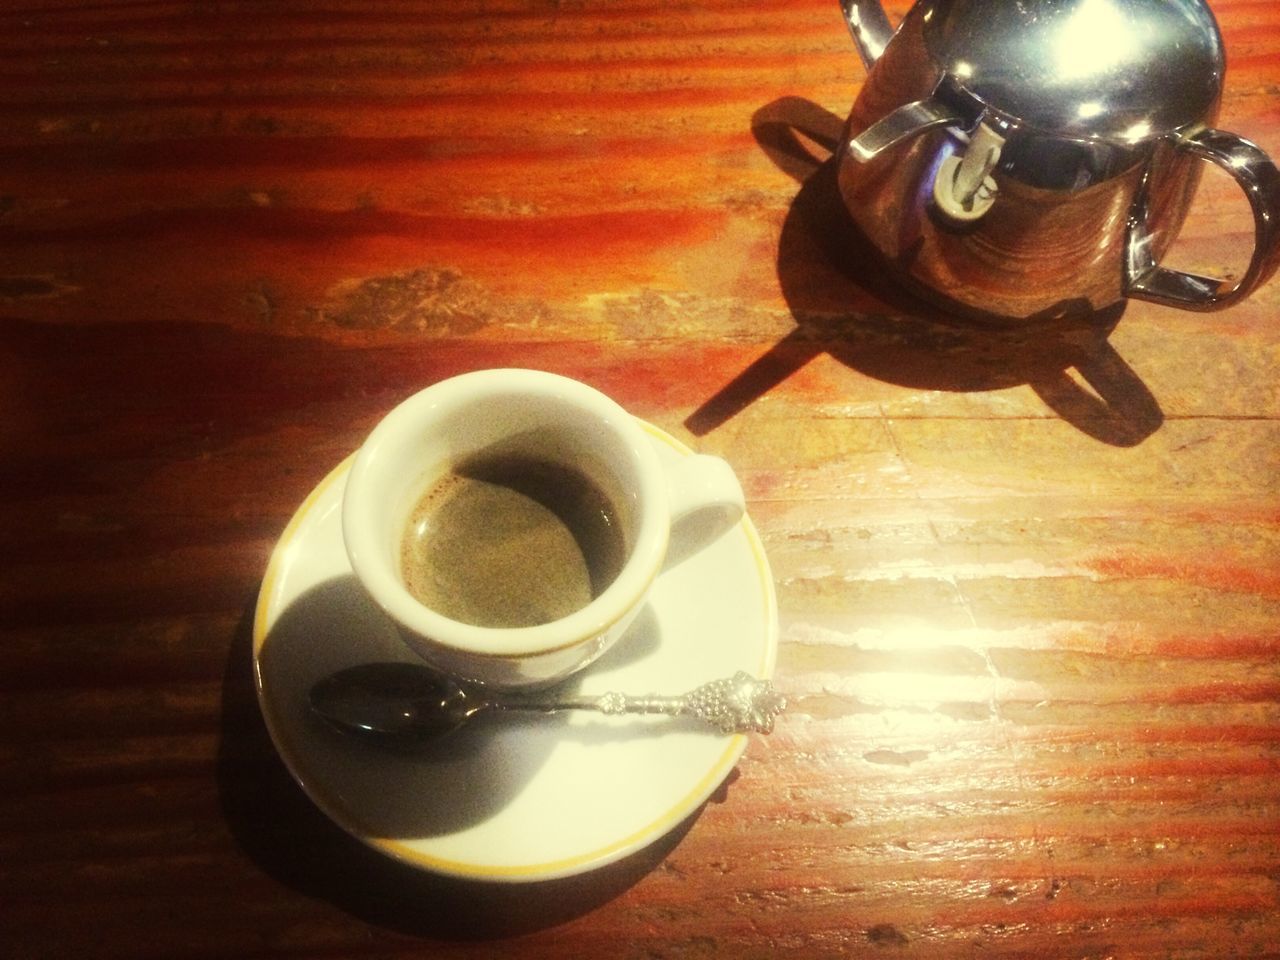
x=368, y=554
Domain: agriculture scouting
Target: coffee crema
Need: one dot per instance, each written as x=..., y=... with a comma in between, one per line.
x=511, y=541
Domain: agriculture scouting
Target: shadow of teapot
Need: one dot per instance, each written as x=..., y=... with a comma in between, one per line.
x=848, y=303
x=1010, y=175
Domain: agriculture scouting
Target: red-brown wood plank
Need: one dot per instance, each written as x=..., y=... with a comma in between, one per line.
x=1028, y=582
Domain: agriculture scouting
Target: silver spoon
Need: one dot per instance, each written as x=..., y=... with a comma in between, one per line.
x=407, y=702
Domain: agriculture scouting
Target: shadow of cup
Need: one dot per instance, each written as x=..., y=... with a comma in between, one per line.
x=287, y=835
x=441, y=788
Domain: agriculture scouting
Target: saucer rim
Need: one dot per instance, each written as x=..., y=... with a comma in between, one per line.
x=675, y=813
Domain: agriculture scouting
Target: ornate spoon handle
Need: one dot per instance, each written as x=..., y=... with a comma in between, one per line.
x=737, y=704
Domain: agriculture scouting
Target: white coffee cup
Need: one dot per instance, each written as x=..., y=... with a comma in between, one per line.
x=538, y=415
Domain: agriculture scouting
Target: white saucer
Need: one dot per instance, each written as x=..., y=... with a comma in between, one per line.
x=514, y=798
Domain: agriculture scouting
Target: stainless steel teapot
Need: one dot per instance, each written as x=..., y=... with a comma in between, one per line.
x=1036, y=158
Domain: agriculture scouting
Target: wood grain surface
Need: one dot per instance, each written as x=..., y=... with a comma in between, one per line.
x=1028, y=579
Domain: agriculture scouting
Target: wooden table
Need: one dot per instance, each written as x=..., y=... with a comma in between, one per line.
x=1029, y=592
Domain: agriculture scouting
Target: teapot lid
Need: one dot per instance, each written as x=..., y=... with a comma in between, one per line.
x=1125, y=70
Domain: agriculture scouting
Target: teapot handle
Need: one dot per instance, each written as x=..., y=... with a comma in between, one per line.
x=1259, y=179
x=869, y=26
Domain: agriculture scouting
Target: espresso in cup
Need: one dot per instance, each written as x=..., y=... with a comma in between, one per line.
x=512, y=522
x=511, y=541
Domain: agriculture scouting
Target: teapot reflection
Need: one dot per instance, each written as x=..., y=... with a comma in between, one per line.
x=848, y=306
x=1016, y=159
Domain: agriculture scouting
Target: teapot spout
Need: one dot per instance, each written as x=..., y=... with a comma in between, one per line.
x=908, y=120
x=869, y=26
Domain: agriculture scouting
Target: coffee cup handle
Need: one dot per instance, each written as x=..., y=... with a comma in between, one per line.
x=704, y=486
x=1257, y=176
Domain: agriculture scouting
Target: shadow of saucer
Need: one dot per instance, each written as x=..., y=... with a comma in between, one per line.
x=847, y=304
x=288, y=836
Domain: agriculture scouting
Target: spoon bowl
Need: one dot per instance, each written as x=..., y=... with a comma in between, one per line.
x=393, y=701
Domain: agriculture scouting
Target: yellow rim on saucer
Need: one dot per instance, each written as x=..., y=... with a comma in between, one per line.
x=266, y=614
